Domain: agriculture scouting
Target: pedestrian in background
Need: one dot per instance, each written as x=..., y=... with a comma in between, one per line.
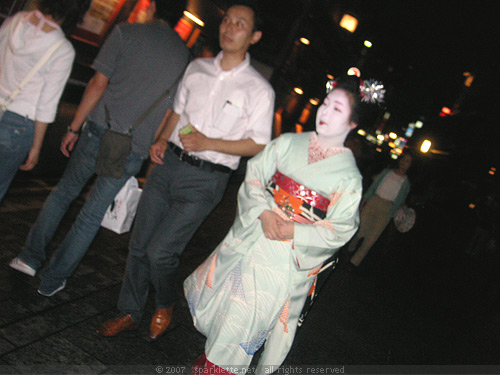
x=383, y=198
x=25, y=39
x=134, y=68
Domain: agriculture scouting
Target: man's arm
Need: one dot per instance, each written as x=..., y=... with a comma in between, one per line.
x=157, y=150
x=34, y=154
x=197, y=141
x=94, y=91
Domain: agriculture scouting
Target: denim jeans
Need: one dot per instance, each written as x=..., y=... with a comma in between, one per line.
x=175, y=201
x=16, y=138
x=80, y=169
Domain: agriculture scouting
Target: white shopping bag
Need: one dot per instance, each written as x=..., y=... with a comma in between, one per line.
x=120, y=213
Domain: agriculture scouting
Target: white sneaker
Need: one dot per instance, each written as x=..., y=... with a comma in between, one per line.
x=20, y=266
x=51, y=293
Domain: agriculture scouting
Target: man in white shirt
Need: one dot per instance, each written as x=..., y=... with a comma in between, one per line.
x=223, y=110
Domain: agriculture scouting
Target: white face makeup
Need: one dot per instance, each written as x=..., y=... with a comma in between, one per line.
x=333, y=117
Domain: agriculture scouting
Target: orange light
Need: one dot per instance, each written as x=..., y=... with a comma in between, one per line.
x=184, y=29
x=349, y=23
x=298, y=128
x=304, y=116
x=445, y=111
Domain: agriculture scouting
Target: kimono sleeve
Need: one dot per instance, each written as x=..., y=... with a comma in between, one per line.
x=252, y=196
x=315, y=243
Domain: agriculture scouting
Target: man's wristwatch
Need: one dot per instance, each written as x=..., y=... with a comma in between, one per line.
x=77, y=132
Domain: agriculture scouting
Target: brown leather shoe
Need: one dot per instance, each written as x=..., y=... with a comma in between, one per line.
x=160, y=322
x=114, y=326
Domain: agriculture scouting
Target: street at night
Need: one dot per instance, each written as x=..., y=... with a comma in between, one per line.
x=422, y=301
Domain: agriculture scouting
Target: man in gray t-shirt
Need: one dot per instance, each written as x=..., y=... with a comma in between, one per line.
x=141, y=62
x=136, y=65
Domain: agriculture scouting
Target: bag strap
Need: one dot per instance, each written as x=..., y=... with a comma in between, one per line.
x=33, y=71
x=155, y=103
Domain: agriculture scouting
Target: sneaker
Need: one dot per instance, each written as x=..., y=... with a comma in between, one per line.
x=51, y=293
x=20, y=266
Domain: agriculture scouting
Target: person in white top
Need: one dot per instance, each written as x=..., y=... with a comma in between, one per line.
x=24, y=39
x=223, y=110
x=383, y=198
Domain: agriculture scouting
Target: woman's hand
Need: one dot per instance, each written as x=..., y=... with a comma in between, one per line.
x=32, y=160
x=274, y=227
x=287, y=230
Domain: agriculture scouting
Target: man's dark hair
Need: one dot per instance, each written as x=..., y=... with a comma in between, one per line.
x=71, y=11
x=170, y=10
x=258, y=22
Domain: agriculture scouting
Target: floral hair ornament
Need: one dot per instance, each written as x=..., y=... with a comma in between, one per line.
x=330, y=85
x=371, y=91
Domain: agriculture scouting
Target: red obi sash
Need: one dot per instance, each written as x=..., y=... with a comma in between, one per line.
x=298, y=202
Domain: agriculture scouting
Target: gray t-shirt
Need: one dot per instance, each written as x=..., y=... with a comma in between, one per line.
x=141, y=61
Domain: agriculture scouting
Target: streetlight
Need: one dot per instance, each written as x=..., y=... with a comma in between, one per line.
x=445, y=111
x=305, y=41
x=425, y=147
x=298, y=90
x=349, y=23
x=354, y=72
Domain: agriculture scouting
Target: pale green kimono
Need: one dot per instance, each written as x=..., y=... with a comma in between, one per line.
x=251, y=289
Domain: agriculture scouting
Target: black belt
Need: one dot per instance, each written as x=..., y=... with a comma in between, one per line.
x=197, y=162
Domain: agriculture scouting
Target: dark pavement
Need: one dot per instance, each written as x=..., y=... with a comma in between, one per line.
x=416, y=300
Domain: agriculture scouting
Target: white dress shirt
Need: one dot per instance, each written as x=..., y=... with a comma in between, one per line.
x=230, y=105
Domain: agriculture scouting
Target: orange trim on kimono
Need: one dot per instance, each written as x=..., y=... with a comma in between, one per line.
x=284, y=315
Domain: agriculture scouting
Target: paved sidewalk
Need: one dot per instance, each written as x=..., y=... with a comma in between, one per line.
x=366, y=317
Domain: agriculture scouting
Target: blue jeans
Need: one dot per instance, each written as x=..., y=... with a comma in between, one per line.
x=175, y=201
x=80, y=168
x=16, y=138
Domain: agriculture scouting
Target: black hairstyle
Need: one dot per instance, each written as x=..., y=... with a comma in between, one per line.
x=170, y=10
x=71, y=12
x=351, y=85
x=258, y=21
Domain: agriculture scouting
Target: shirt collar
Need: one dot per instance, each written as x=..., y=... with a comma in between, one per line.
x=245, y=63
x=42, y=21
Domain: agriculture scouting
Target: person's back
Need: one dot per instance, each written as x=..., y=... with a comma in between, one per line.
x=35, y=63
x=22, y=45
x=150, y=58
x=134, y=68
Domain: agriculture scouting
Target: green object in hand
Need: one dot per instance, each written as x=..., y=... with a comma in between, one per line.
x=186, y=130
